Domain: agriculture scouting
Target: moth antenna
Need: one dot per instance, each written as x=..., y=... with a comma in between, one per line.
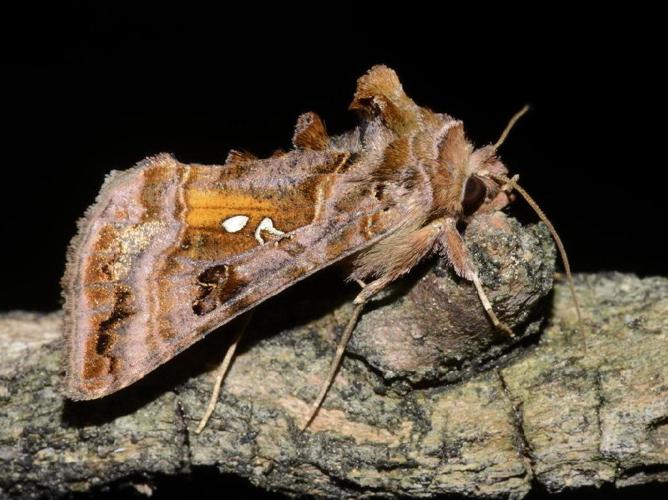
x=334, y=367
x=512, y=183
x=510, y=125
x=222, y=371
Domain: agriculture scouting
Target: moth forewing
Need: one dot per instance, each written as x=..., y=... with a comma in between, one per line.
x=171, y=251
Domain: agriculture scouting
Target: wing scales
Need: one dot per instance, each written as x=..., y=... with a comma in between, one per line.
x=160, y=270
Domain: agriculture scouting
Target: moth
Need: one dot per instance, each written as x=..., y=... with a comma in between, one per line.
x=170, y=251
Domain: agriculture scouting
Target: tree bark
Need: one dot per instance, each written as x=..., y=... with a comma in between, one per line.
x=565, y=406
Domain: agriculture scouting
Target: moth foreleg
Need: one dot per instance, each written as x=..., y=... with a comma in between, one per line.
x=222, y=371
x=455, y=249
x=488, y=307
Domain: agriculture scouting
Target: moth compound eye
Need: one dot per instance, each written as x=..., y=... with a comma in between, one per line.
x=474, y=194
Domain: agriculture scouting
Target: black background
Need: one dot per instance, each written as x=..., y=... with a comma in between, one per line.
x=94, y=89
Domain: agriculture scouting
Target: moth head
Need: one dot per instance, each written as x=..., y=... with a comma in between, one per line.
x=480, y=191
x=483, y=189
x=464, y=171
x=488, y=175
x=474, y=194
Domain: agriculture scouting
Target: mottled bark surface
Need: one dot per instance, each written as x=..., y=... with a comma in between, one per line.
x=429, y=401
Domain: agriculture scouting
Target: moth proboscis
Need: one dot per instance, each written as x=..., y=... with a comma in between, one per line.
x=170, y=252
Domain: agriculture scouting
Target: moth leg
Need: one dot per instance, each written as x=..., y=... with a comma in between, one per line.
x=488, y=307
x=372, y=289
x=222, y=371
x=456, y=252
x=359, y=282
x=334, y=367
x=402, y=253
x=396, y=256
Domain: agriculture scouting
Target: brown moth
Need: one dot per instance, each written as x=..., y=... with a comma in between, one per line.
x=170, y=252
